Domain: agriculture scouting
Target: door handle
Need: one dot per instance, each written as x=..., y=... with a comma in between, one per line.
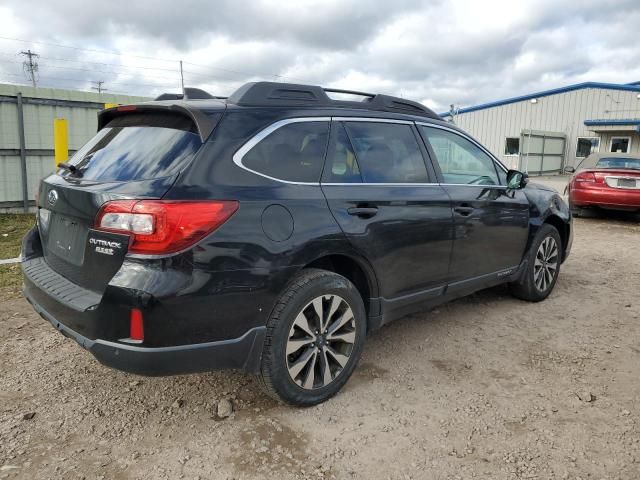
x=465, y=211
x=365, y=212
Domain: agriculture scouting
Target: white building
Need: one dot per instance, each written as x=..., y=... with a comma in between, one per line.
x=544, y=132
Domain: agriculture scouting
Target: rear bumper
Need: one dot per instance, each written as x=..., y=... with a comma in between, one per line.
x=605, y=197
x=243, y=353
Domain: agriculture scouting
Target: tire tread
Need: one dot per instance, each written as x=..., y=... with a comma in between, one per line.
x=300, y=282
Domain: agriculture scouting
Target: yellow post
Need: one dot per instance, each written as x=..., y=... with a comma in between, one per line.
x=110, y=105
x=60, y=140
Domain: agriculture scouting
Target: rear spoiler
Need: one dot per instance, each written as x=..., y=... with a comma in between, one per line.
x=203, y=122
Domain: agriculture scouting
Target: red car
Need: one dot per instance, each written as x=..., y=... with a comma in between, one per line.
x=606, y=180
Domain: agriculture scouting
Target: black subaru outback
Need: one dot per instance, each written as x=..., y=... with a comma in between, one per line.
x=273, y=230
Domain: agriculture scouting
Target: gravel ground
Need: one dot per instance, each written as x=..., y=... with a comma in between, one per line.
x=485, y=387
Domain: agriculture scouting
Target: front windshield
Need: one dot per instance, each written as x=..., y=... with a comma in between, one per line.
x=618, y=162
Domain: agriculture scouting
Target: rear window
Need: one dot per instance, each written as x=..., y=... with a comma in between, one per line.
x=616, y=162
x=137, y=147
x=293, y=152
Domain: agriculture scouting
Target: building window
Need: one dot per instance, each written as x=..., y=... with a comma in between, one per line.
x=586, y=146
x=620, y=144
x=512, y=146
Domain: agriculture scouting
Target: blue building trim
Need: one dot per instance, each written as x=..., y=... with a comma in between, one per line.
x=609, y=121
x=613, y=122
x=632, y=87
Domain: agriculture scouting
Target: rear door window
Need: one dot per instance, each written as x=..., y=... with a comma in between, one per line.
x=294, y=152
x=137, y=147
x=387, y=152
x=342, y=166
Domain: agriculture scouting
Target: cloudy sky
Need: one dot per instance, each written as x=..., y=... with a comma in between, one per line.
x=439, y=52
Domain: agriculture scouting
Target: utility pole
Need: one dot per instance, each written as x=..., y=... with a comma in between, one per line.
x=453, y=112
x=181, y=78
x=98, y=86
x=30, y=66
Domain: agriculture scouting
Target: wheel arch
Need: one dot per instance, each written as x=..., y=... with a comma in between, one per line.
x=563, y=229
x=357, y=270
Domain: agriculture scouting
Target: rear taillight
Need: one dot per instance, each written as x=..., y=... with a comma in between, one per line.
x=587, y=177
x=159, y=227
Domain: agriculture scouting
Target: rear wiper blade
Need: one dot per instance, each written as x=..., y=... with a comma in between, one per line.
x=70, y=168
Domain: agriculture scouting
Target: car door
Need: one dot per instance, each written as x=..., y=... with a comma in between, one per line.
x=491, y=222
x=389, y=206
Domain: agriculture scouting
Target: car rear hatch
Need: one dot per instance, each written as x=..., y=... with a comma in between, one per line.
x=138, y=153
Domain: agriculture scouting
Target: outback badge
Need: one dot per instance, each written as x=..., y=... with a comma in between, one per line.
x=106, y=247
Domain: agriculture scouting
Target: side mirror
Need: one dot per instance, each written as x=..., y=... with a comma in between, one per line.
x=569, y=169
x=516, y=179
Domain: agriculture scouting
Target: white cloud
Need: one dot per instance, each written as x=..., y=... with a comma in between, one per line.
x=443, y=52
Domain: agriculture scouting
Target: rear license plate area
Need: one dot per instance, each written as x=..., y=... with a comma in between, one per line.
x=626, y=183
x=67, y=238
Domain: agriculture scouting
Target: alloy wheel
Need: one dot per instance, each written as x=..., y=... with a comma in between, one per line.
x=545, y=266
x=320, y=342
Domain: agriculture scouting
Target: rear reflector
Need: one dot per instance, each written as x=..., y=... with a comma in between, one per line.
x=160, y=227
x=136, y=328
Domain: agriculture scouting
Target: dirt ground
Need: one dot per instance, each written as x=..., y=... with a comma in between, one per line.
x=485, y=387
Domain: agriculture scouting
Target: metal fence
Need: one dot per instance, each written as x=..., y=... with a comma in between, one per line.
x=26, y=134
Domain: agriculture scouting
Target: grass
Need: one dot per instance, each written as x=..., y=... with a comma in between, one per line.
x=12, y=229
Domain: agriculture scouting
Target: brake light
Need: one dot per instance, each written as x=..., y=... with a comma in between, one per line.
x=159, y=227
x=126, y=108
x=586, y=177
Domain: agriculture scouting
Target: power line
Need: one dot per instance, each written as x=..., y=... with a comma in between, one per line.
x=75, y=80
x=116, y=72
x=125, y=72
x=107, y=52
x=87, y=69
x=11, y=55
x=30, y=66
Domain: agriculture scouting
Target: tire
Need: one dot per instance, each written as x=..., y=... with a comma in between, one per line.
x=575, y=210
x=319, y=362
x=543, y=266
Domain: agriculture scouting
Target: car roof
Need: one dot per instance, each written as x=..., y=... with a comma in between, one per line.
x=592, y=160
x=293, y=100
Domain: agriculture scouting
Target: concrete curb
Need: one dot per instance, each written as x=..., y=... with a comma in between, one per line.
x=9, y=261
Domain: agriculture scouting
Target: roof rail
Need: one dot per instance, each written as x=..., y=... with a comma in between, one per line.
x=190, y=93
x=290, y=94
x=169, y=96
